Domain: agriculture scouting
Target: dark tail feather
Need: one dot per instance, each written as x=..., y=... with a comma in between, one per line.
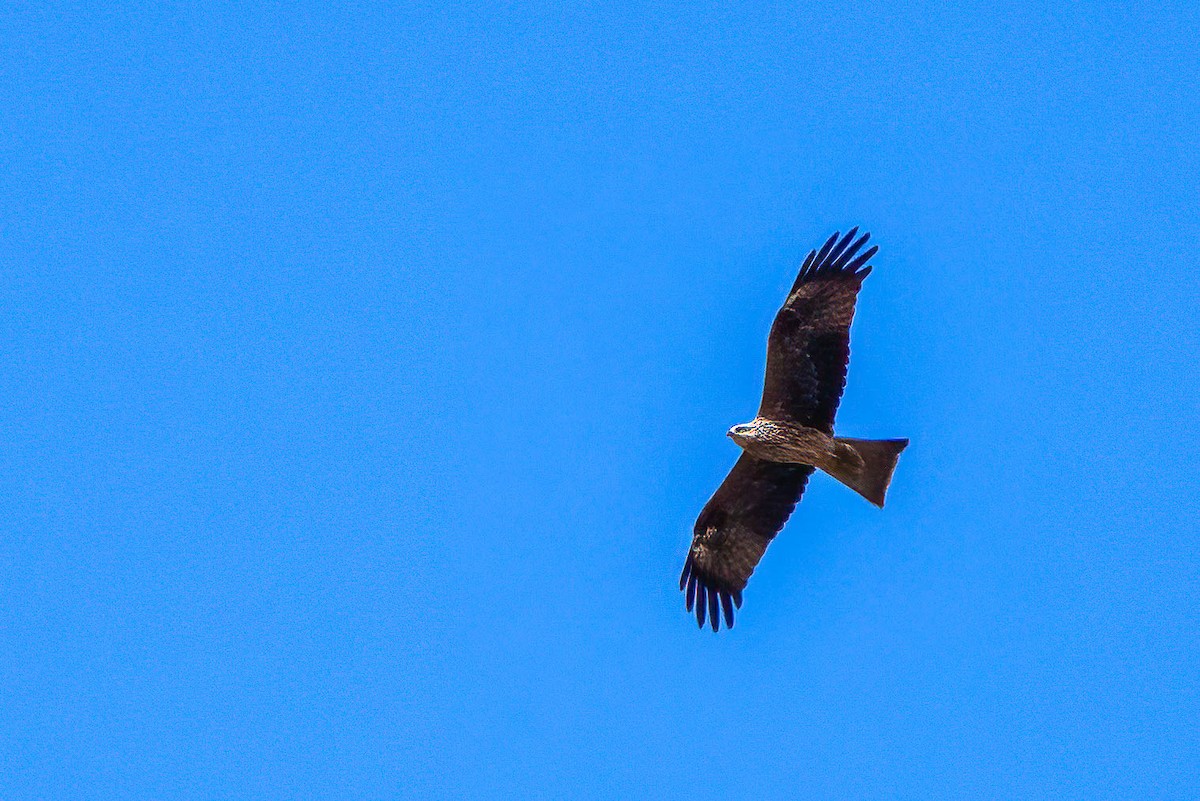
x=866, y=465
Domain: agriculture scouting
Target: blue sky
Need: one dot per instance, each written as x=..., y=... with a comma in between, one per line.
x=365, y=372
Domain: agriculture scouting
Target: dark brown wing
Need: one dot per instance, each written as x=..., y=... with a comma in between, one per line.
x=733, y=531
x=809, y=345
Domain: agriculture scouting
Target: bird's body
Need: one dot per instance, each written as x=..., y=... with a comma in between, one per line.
x=863, y=465
x=792, y=435
x=784, y=442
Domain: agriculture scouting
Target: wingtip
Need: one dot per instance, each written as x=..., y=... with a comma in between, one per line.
x=711, y=604
x=823, y=254
x=868, y=254
x=837, y=255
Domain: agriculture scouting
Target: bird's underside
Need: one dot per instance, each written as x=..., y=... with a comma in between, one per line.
x=863, y=465
x=784, y=442
x=792, y=435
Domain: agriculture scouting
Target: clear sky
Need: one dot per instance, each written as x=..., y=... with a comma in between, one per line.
x=364, y=372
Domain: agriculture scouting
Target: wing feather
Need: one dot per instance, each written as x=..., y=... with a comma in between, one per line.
x=733, y=531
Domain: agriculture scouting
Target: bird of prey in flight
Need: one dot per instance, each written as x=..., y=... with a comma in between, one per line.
x=792, y=434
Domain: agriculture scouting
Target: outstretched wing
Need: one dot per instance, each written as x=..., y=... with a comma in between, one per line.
x=733, y=531
x=809, y=345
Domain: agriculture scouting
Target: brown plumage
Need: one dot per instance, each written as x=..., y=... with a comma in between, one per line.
x=807, y=354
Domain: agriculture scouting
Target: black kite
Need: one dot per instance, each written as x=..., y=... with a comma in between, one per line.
x=792, y=435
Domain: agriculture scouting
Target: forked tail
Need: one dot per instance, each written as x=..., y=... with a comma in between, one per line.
x=865, y=465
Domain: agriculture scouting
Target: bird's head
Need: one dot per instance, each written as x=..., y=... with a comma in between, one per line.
x=742, y=432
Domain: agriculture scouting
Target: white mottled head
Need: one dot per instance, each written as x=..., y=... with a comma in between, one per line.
x=744, y=432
